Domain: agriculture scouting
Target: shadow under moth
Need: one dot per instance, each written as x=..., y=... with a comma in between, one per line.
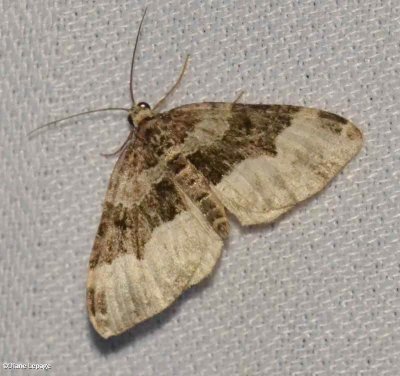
x=178, y=174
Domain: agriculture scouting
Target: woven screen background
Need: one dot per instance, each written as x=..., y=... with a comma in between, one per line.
x=317, y=293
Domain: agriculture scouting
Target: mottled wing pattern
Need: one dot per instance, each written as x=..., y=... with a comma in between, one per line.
x=153, y=240
x=163, y=218
x=262, y=160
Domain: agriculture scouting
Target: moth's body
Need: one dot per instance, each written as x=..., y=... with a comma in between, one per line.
x=164, y=217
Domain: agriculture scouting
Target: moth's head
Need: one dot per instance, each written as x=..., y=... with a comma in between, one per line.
x=139, y=112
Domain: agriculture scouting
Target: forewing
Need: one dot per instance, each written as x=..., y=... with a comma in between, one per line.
x=264, y=159
x=149, y=247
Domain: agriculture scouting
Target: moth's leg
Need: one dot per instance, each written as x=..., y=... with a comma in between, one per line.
x=161, y=102
x=239, y=96
x=121, y=148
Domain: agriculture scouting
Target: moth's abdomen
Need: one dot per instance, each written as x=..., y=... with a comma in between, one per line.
x=194, y=184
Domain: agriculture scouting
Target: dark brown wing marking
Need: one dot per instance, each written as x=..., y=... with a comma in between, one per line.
x=197, y=188
x=252, y=132
x=125, y=229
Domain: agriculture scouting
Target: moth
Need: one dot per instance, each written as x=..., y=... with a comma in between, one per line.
x=179, y=173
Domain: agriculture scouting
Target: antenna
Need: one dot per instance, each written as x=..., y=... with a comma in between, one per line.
x=134, y=54
x=31, y=133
